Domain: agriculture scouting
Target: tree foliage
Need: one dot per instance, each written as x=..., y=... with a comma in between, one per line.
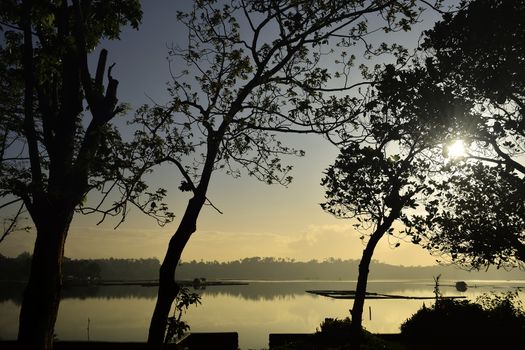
x=389, y=160
x=66, y=132
x=57, y=141
x=480, y=48
x=396, y=150
x=476, y=216
x=241, y=88
x=252, y=70
x=176, y=326
x=492, y=321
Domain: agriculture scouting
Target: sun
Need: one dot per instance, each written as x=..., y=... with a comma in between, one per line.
x=456, y=149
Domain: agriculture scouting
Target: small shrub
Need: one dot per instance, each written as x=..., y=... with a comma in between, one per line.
x=334, y=334
x=176, y=326
x=493, y=321
x=505, y=312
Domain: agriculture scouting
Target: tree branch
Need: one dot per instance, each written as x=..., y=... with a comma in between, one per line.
x=29, y=123
x=12, y=225
x=9, y=203
x=508, y=160
x=84, y=69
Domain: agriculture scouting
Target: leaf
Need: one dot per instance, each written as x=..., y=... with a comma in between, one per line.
x=185, y=186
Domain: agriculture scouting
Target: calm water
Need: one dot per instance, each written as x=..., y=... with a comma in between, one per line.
x=122, y=313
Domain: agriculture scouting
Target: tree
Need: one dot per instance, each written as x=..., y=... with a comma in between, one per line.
x=387, y=164
x=52, y=152
x=477, y=217
x=480, y=48
x=478, y=53
x=253, y=71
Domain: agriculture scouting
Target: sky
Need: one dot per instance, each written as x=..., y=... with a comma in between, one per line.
x=257, y=220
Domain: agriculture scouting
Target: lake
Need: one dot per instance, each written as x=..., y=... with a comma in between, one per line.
x=122, y=313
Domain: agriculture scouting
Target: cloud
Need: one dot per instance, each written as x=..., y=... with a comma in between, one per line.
x=324, y=241
x=104, y=242
x=314, y=241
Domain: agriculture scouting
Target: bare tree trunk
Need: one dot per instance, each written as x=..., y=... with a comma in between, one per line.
x=42, y=294
x=168, y=288
x=51, y=198
x=362, y=280
x=360, y=292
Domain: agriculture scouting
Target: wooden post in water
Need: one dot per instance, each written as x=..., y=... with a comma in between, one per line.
x=370, y=312
x=88, y=329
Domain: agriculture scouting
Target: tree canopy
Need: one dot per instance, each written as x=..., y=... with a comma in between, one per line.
x=57, y=141
x=56, y=136
x=253, y=70
x=387, y=162
x=477, y=53
x=477, y=217
x=396, y=163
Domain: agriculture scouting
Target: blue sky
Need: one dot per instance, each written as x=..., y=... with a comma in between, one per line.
x=258, y=219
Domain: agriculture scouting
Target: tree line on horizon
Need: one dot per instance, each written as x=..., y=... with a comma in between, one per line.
x=258, y=268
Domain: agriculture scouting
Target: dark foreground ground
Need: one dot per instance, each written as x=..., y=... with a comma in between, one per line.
x=287, y=341
x=195, y=341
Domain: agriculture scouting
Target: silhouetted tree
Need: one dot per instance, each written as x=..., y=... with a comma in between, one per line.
x=477, y=216
x=253, y=70
x=53, y=151
x=387, y=164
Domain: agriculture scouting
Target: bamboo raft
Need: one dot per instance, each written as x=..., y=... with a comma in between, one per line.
x=350, y=294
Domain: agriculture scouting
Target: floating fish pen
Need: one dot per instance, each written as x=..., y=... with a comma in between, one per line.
x=350, y=294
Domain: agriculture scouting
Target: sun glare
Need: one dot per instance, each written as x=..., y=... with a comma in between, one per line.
x=456, y=149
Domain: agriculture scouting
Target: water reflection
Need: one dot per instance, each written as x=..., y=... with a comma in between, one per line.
x=14, y=292
x=268, y=290
x=122, y=313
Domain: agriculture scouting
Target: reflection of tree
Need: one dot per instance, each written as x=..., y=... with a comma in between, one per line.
x=110, y=292
x=269, y=291
x=255, y=291
x=14, y=291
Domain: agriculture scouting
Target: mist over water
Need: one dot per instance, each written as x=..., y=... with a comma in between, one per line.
x=122, y=313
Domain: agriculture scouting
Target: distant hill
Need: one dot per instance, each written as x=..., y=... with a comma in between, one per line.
x=254, y=268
